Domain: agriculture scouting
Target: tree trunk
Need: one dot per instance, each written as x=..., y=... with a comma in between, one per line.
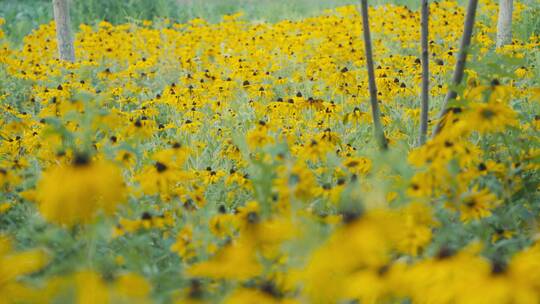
x=504, y=23
x=376, y=113
x=64, y=38
x=425, y=72
x=460, y=64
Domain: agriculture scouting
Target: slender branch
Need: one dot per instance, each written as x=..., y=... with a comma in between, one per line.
x=504, y=22
x=425, y=72
x=63, y=30
x=460, y=64
x=376, y=113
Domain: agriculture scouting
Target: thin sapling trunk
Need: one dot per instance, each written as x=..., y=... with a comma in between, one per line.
x=425, y=72
x=460, y=64
x=375, y=111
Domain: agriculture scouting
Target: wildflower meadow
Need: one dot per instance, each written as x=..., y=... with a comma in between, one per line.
x=357, y=152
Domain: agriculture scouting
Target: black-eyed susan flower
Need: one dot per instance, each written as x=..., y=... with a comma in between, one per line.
x=477, y=204
x=490, y=117
x=78, y=192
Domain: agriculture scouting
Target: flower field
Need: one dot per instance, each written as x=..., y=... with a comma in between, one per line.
x=235, y=162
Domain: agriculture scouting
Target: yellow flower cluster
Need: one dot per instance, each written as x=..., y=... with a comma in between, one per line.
x=239, y=157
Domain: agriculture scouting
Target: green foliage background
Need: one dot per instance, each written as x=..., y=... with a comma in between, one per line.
x=24, y=15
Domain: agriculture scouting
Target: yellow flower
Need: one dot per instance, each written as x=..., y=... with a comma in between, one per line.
x=490, y=117
x=521, y=72
x=358, y=165
x=131, y=287
x=77, y=193
x=165, y=172
x=249, y=296
x=415, y=231
x=236, y=261
x=249, y=215
x=4, y=207
x=91, y=288
x=184, y=243
x=300, y=182
x=477, y=204
x=362, y=243
x=501, y=234
x=222, y=225
x=368, y=286
x=442, y=279
x=13, y=266
x=258, y=137
x=524, y=266
x=356, y=117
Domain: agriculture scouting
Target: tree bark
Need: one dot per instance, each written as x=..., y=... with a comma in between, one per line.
x=375, y=111
x=460, y=64
x=64, y=37
x=504, y=23
x=425, y=72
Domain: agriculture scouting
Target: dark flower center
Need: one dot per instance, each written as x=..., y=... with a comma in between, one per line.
x=498, y=267
x=81, y=160
x=160, y=167
x=444, y=253
x=252, y=217
x=487, y=114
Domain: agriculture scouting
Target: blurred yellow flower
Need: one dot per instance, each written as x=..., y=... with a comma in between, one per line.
x=77, y=193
